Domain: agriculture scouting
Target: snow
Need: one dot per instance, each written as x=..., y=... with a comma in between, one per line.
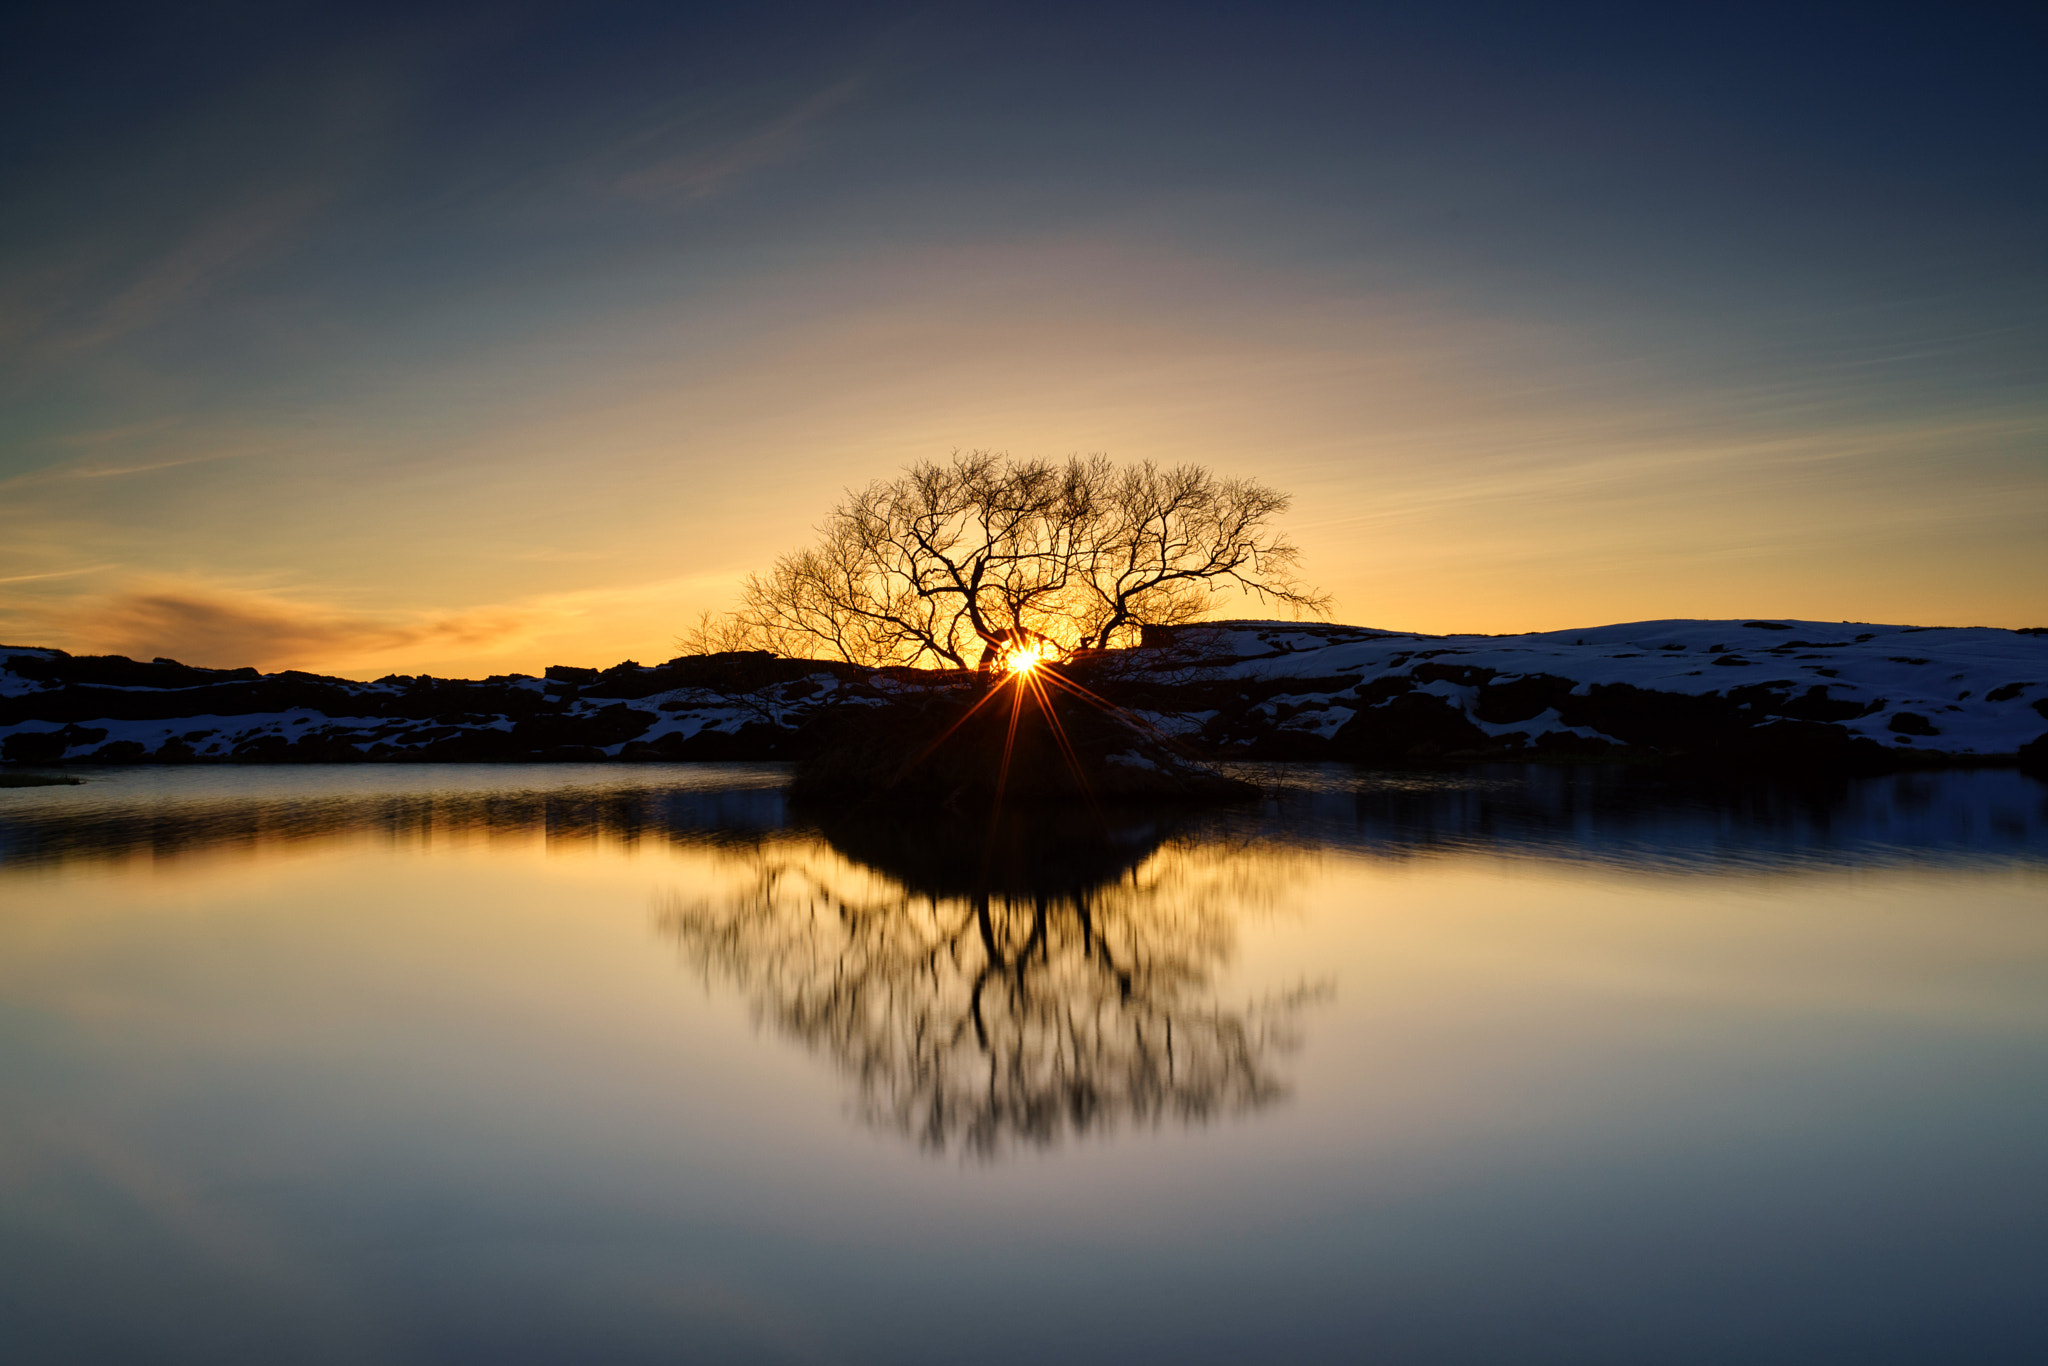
x=1941, y=673
x=1976, y=686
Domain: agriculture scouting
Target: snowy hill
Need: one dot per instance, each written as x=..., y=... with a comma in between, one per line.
x=1775, y=693
x=1649, y=685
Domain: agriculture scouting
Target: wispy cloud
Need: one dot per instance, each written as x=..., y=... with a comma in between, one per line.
x=225, y=627
x=144, y=448
x=60, y=473
x=211, y=251
x=57, y=574
x=706, y=171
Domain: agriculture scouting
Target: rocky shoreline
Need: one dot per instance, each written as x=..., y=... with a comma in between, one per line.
x=1768, y=695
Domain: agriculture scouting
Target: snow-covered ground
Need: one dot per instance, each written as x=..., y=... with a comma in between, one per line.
x=1958, y=690
x=1244, y=686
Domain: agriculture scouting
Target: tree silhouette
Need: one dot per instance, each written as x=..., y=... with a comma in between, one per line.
x=960, y=561
x=973, y=1018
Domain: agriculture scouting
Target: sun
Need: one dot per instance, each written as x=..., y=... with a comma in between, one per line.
x=1022, y=659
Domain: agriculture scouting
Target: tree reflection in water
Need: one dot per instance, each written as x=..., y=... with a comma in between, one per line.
x=986, y=992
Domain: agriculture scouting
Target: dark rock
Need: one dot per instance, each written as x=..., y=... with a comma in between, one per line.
x=119, y=752
x=429, y=698
x=755, y=740
x=2034, y=756
x=33, y=747
x=1156, y=637
x=663, y=748
x=1414, y=726
x=1465, y=675
x=610, y=726
x=1244, y=727
x=1521, y=699
x=1793, y=747
x=49, y=746
x=39, y=780
x=117, y=671
x=87, y=703
x=1645, y=718
x=1378, y=690
x=798, y=708
x=736, y=671
x=262, y=749
x=973, y=747
x=333, y=745
x=1816, y=705
x=1564, y=744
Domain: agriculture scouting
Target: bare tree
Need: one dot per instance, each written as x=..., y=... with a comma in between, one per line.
x=716, y=635
x=951, y=561
x=981, y=1020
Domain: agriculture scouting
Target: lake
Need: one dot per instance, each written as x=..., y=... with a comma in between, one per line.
x=632, y=1064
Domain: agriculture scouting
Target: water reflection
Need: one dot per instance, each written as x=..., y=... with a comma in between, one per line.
x=984, y=991
x=1622, y=1070
x=166, y=814
x=1644, y=820
x=1611, y=816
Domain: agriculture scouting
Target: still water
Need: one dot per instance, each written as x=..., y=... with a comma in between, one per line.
x=561, y=1064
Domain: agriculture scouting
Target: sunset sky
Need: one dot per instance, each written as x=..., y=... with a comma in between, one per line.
x=467, y=339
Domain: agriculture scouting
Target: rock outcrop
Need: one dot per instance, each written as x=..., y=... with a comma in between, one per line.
x=981, y=747
x=1730, y=695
